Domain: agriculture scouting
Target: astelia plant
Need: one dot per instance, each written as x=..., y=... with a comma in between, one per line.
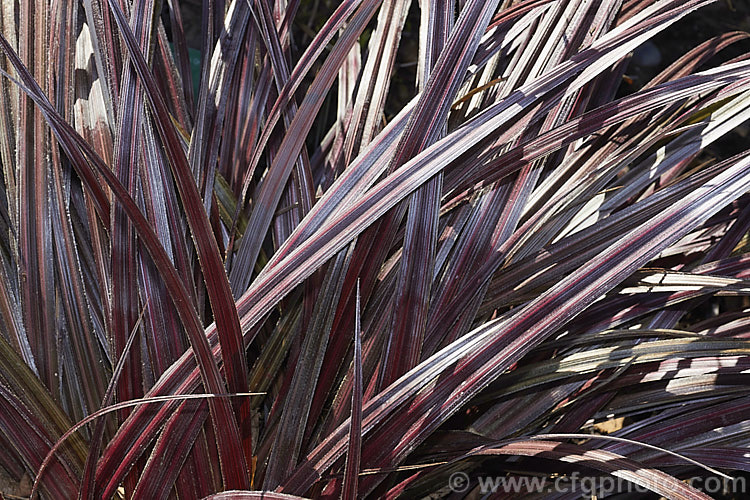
x=329, y=273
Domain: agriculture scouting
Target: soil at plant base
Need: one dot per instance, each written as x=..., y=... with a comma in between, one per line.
x=10, y=488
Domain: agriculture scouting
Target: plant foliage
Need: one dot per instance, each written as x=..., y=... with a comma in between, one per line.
x=333, y=273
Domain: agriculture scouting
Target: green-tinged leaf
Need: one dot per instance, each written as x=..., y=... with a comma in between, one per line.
x=44, y=422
